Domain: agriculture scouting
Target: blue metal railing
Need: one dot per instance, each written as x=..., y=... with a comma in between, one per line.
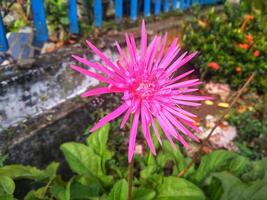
x=41, y=33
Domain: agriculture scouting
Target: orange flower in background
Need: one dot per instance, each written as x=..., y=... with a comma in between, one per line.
x=257, y=53
x=249, y=17
x=214, y=65
x=249, y=39
x=238, y=69
x=243, y=46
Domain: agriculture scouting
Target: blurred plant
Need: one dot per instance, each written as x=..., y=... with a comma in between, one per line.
x=57, y=17
x=235, y=39
x=250, y=129
x=16, y=14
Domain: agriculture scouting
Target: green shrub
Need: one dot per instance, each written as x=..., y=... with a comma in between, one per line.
x=235, y=39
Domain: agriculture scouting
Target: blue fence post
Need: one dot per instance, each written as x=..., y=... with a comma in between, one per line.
x=3, y=40
x=147, y=8
x=98, y=13
x=133, y=10
x=41, y=33
x=73, y=18
x=174, y=4
x=118, y=10
x=188, y=3
x=182, y=4
x=166, y=6
x=157, y=7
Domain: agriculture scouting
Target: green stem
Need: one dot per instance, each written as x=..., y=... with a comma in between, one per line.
x=130, y=179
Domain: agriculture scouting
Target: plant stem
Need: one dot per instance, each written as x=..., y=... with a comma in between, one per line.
x=130, y=178
x=237, y=96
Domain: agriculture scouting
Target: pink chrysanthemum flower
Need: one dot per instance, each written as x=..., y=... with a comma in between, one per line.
x=145, y=78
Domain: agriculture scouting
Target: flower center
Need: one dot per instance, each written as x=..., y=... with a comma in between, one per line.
x=146, y=89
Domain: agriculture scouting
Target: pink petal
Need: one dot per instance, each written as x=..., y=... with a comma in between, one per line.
x=98, y=91
x=163, y=44
x=187, y=83
x=114, y=114
x=187, y=103
x=173, y=131
x=166, y=131
x=181, y=76
x=126, y=117
x=156, y=130
x=191, y=97
x=180, y=127
x=101, y=55
x=184, y=61
x=92, y=74
x=146, y=131
x=143, y=39
x=178, y=114
x=94, y=65
x=133, y=134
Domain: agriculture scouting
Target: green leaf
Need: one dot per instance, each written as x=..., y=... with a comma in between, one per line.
x=36, y=194
x=61, y=191
x=235, y=189
x=84, y=161
x=259, y=168
x=7, y=184
x=64, y=20
x=81, y=158
x=98, y=142
x=6, y=197
x=219, y=161
x=119, y=191
x=28, y=172
x=174, y=188
x=142, y=193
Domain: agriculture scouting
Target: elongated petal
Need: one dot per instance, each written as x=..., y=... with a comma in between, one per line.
x=101, y=55
x=126, y=117
x=183, y=62
x=133, y=134
x=180, y=127
x=146, y=131
x=98, y=91
x=143, y=39
x=181, y=76
x=92, y=74
x=156, y=130
x=116, y=113
x=192, y=97
x=173, y=131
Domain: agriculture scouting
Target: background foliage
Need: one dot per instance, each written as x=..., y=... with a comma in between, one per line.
x=233, y=43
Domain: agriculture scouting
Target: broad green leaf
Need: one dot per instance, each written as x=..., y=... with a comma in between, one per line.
x=174, y=188
x=79, y=191
x=20, y=171
x=81, y=158
x=259, y=168
x=61, y=191
x=6, y=197
x=142, y=193
x=7, y=184
x=98, y=142
x=235, y=189
x=170, y=151
x=219, y=161
x=119, y=191
x=84, y=161
x=36, y=194
x=58, y=191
